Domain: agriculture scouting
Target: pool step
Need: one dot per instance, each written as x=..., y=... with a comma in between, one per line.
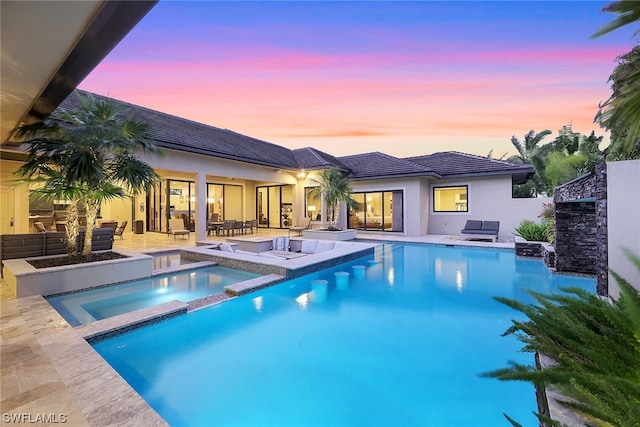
x=183, y=267
x=105, y=328
x=252, y=285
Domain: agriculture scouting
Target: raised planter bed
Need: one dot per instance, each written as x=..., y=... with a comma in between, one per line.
x=543, y=250
x=330, y=235
x=26, y=280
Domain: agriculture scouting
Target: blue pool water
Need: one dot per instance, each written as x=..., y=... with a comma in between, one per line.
x=168, y=260
x=401, y=347
x=79, y=308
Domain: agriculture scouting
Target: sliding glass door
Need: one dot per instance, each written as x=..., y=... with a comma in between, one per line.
x=379, y=210
x=274, y=206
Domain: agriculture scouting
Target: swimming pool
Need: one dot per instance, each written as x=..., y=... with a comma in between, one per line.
x=401, y=347
x=87, y=306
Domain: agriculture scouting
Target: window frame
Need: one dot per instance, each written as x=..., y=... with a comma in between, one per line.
x=441, y=187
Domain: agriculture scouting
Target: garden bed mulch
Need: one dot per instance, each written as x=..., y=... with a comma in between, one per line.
x=80, y=259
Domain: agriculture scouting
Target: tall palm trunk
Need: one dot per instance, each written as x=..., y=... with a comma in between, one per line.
x=72, y=228
x=92, y=213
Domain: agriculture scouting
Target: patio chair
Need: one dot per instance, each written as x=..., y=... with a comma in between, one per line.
x=118, y=231
x=109, y=224
x=248, y=225
x=227, y=226
x=40, y=228
x=176, y=227
x=299, y=228
x=238, y=227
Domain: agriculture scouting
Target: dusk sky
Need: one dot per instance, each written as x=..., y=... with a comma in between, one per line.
x=403, y=78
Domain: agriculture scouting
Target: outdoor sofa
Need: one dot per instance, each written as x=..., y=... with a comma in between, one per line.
x=476, y=229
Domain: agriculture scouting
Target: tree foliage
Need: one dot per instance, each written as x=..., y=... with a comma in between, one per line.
x=594, y=344
x=556, y=162
x=87, y=156
x=621, y=112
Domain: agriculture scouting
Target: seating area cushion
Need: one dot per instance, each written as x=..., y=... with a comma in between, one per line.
x=324, y=245
x=491, y=226
x=226, y=247
x=473, y=224
x=309, y=246
x=280, y=243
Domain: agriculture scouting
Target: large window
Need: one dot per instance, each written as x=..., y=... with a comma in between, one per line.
x=450, y=199
x=379, y=210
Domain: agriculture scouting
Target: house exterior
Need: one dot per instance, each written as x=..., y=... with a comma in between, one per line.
x=210, y=173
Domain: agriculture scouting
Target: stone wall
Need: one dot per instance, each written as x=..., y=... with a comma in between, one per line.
x=581, y=226
x=528, y=249
x=576, y=237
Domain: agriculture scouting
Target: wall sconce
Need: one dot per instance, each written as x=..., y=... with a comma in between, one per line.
x=193, y=199
x=311, y=209
x=302, y=174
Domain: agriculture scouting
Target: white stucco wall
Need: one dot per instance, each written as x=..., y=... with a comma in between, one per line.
x=623, y=220
x=489, y=199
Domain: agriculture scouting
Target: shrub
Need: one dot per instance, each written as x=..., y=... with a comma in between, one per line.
x=548, y=217
x=532, y=231
x=595, y=345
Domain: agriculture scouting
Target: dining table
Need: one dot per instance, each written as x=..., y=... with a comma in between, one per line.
x=214, y=226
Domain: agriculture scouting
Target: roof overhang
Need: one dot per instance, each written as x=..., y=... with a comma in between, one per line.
x=519, y=176
x=49, y=47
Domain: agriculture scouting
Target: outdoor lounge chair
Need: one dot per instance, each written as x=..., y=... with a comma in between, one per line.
x=120, y=229
x=475, y=229
x=40, y=228
x=176, y=227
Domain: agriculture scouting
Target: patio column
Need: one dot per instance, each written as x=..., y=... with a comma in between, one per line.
x=201, y=206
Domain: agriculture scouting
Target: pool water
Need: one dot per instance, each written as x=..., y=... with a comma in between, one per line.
x=401, y=347
x=168, y=260
x=83, y=307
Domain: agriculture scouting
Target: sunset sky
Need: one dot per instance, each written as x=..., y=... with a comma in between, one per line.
x=403, y=78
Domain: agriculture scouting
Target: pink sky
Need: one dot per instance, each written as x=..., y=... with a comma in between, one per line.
x=372, y=86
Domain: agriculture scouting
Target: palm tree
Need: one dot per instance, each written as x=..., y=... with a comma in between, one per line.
x=336, y=188
x=531, y=153
x=87, y=156
x=621, y=112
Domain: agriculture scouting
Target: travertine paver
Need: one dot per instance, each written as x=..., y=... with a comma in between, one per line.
x=50, y=373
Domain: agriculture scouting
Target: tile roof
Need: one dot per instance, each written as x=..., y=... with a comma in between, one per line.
x=181, y=134
x=380, y=165
x=310, y=158
x=455, y=164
